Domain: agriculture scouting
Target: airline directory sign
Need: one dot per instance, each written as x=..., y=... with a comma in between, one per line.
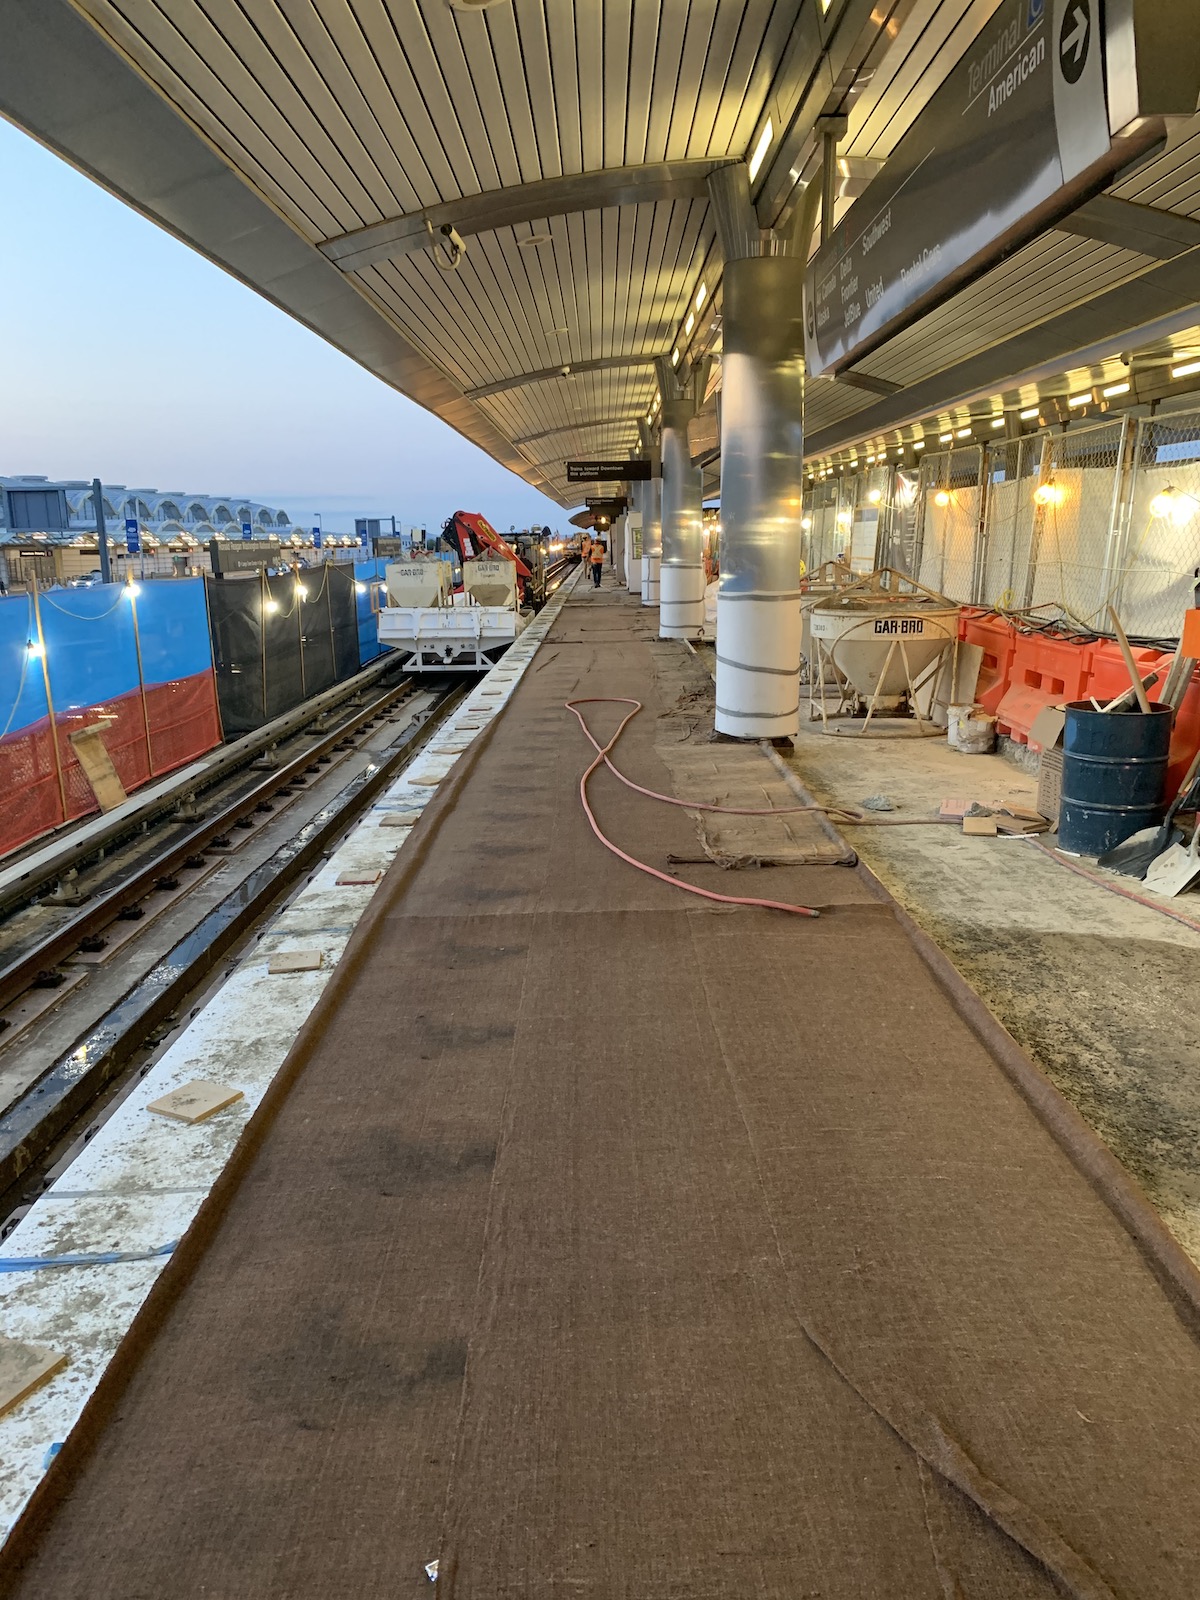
x=1016, y=136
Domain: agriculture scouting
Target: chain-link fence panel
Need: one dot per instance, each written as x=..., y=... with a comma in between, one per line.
x=1076, y=509
x=949, y=496
x=1155, y=575
x=820, y=512
x=1012, y=471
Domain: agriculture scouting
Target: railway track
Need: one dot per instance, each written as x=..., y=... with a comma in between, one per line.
x=100, y=1039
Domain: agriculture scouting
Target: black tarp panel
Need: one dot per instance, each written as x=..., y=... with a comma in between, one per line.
x=277, y=641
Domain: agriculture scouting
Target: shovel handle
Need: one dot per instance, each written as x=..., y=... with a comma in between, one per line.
x=1143, y=702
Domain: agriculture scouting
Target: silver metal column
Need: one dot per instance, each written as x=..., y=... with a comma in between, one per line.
x=633, y=539
x=681, y=593
x=758, y=600
x=651, y=519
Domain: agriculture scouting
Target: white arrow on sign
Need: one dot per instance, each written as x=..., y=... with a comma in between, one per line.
x=1076, y=40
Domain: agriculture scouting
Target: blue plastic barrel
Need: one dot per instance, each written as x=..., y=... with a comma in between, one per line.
x=1114, y=775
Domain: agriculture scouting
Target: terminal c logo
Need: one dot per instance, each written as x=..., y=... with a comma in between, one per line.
x=1073, y=40
x=811, y=318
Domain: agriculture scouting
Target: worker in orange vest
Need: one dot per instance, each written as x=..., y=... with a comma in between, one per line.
x=596, y=556
x=585, y=548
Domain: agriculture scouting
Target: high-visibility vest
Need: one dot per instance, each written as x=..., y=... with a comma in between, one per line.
x=586, y=548
x=597, y=554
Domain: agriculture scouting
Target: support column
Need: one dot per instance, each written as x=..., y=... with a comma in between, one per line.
x=681, y=595
x=758, y=598
x=633, y=534
x=651, y=523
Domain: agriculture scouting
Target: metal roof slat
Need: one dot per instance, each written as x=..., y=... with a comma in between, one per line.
x=693, y=60
x=540, y=83
x=510, y=302
x=515, y=90
x=719, y=101
x=295, y=38
x=672, y=28
x=618, y=30
x=162, y=55
x=591, y=75
x=642, y=49
x=430, y=333
x=763, y=66
x=425, y=147
x=564, y=73
x=480, y=82
x=253, y=75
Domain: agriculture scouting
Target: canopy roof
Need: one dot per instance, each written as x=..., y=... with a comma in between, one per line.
x=318, y=150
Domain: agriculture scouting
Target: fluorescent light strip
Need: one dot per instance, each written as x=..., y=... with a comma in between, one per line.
x=1077, y=400
x=761, y=148
x=963, y=433
x=1113, y=390
x=700, y=294
x=1031, y=415
x=1188, y=370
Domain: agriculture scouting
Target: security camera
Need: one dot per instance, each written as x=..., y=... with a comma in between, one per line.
x=564, y=372
x=452, y=248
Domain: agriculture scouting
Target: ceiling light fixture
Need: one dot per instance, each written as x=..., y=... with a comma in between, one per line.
x=700, y=294
x=690, y=323
x=1031, y=415
x=945, y=438
x=534, y=239
x=1113, y=390
x=963, y=433
x=1188, y=370
x=1077, y=400
x=997, y=422
x=675, y=356
x=761, y=148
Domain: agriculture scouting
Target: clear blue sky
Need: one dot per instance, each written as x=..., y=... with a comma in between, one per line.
x=129, y=357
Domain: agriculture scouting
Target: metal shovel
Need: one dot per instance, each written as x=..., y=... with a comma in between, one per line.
x=1134, y=855
x=1177, y=868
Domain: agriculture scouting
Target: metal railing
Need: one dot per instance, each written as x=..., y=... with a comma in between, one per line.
x=1065, y=523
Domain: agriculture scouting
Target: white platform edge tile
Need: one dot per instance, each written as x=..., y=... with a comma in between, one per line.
x=141, y=1180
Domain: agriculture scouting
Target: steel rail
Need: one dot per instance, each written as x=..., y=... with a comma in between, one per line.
x=26, y=873
x=48, y=1108
x=104, y=908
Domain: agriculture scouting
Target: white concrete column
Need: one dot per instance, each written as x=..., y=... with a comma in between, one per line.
x=681, y=597
x=762, y=452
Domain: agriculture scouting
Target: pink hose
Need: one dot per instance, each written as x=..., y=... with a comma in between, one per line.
x=602, y=759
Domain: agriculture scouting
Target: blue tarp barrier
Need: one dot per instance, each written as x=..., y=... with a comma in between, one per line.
x=22, y=684
x=368, y=575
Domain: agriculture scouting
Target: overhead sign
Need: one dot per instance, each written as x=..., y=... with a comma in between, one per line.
x=636, y=471
x=247, y=531
x=133, y=536
x=1017, y=135
x=316, y=538
x=614, y=504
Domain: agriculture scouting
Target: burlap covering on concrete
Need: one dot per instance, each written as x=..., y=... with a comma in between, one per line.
x=602, y=1243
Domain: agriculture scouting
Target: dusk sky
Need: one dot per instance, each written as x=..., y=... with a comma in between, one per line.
x=129, y=357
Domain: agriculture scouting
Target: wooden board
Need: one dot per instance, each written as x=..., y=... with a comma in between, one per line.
x=195, y=1101
x=98, y=769
x=295, y=961
x=24, y=1368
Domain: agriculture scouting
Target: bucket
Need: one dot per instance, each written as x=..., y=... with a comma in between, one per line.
x=1114, y=775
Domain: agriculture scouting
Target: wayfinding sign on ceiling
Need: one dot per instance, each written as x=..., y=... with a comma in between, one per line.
x=1016, y=136
x=635, y=471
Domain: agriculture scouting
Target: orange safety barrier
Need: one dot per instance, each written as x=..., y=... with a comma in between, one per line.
x=1046, y=669
x=997, y=639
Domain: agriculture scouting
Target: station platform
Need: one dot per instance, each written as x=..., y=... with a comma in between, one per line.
x=598, y=1240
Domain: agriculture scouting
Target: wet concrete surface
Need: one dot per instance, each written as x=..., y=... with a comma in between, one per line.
x=1099, y=990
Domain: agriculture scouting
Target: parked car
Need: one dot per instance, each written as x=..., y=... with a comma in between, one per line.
x=85, y=580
